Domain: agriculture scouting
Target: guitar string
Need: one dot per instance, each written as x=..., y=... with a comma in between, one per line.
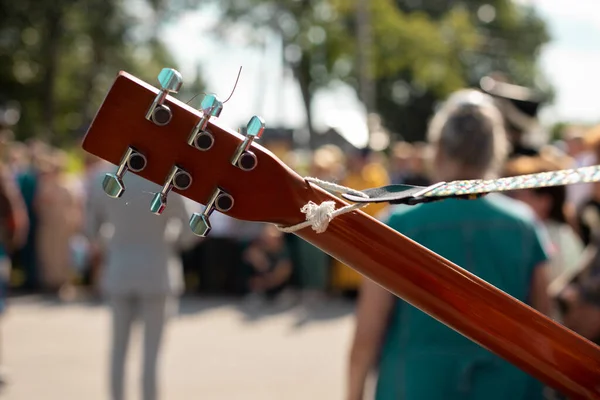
x=234, y=85
x=318, y=216
x=230, y=94
x=138, y=197
x=196, y=95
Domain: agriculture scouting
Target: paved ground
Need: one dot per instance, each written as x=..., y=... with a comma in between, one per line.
x=213, y=350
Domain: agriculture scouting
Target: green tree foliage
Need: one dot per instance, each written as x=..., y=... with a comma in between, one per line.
x=421, y=50
x=58, y=58
x=315, y=39
x=508, y=40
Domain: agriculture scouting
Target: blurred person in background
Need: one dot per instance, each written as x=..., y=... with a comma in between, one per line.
x=409, y=164
x=549, y=206
x=28, y=182
x=590, y=205
x=419, y=165
x=577, y=292
x=328, y=162
x=59, y=211
x=270, y=267
x=361, y=173
x=577, y=148
x=92, y=253
x=519, y=107
x=92, y=166
x=418, y=357
x=245, y=233
x=400, y=162
x=587, y=215
x=17, y=159
x=219, y=256
x=312, y=265
x=14, y=226
x=142, y=276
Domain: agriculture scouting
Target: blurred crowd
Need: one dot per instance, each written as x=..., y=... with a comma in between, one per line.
x=58, y=256
x=65, y=246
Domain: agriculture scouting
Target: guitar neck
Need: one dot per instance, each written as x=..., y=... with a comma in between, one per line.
x=461, y=300
x=146, y=132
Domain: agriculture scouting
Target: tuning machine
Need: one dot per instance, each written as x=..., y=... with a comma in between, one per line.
x=220, y=201
x=200, y=138
x=133, y=161
x=178, y=179
x=170, y=82
x=243, y=158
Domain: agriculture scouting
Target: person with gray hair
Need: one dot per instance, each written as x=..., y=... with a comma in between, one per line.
x=142, y=276
x=494, y=237
x=469, y=136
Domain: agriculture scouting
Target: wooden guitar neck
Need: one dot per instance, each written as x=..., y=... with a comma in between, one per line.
x=462, y=301
x=145, y=131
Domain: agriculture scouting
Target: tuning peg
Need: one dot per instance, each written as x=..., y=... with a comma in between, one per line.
x=200, y=224
x=132, y=160
x=220, y=201
x=211, y=105
x=200, y=138
x=178, y=179
x=243, y=158
x=170, y=82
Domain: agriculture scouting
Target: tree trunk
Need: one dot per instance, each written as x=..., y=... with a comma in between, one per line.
x=104, y=11
x=365, y=79
x=54, y=16
x=302, y=72
x=87, y=111
x=364, y=40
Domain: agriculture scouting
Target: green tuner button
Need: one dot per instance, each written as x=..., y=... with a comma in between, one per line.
x=211, y=105
x=158, y=203
x=200, y=225
x=255, y=127
x=113, y=186
x=170, y=80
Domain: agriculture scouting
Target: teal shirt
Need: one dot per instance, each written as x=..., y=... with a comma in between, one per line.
x=497, y=239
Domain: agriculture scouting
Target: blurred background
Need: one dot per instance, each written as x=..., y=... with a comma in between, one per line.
x=347, y=89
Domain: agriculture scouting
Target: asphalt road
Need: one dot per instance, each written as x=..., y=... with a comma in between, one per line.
x=213, y=350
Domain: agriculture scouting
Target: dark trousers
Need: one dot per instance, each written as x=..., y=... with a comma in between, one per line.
x=216, y=264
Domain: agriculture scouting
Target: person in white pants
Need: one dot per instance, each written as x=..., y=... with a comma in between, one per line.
x=142, y=274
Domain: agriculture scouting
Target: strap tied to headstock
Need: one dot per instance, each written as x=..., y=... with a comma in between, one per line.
x=318, y=216
x=395, y=194
x=475, y=188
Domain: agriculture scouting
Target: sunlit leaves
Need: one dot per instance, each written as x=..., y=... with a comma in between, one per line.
x=96, y=39
x=425, y=48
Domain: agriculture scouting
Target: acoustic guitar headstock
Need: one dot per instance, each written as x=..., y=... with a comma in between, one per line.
x=148, y=132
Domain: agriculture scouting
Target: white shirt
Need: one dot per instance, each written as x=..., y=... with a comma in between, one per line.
x=141, y=248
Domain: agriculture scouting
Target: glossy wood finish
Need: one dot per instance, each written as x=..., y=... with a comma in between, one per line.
x=274, y=193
